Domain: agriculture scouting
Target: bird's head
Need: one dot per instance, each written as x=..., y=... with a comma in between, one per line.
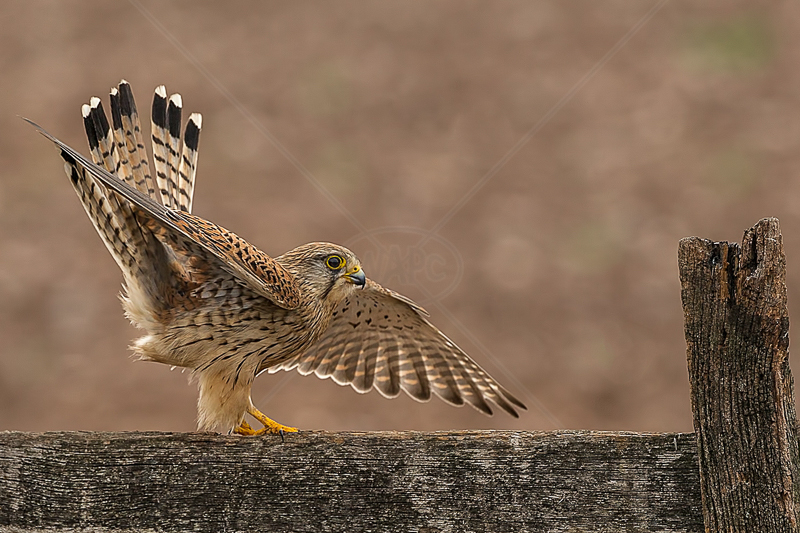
x=324, y=271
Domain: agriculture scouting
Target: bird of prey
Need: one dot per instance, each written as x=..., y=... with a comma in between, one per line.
x=212, y=302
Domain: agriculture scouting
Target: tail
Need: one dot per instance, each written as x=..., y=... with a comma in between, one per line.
x=148, y=266
x=121, y=152
x=176, y=165
x=180, y=231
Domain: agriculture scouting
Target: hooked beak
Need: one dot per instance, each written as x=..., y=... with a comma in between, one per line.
x=356, y=276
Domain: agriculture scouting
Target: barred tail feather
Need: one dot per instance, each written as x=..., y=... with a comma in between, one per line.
x=174, y=111
x=160, y=138
x=120, y=138
x=188, y=165
x=98, y=132
x=175, y=158
x=132, y=128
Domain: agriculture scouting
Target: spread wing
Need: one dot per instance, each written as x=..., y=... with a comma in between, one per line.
x=379, y=338
x=197, y=236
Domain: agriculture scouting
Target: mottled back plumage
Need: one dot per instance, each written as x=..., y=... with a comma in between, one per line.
x=212, y=302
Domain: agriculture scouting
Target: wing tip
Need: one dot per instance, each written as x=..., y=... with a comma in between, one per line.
x=503, y=393
x=29, y=121
x=505, y=399
x=41, y=131
x=517, y=403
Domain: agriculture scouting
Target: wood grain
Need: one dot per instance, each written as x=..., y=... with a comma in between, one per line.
x=315, y=482
x=737, y=335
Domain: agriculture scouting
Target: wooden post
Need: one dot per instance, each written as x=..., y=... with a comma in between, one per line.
x=737, y=335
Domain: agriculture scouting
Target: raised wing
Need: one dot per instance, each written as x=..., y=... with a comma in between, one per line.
x=379, y=338
x=249, y=265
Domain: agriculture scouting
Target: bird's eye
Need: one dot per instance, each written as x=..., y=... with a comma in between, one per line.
x=334, y=262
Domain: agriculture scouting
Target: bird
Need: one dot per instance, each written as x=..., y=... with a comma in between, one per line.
x=211, y=302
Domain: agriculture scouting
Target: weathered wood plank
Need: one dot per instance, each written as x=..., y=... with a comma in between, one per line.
x=314, y=481
x=737, y=335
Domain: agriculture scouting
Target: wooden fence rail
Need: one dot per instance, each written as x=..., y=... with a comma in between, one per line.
x=737, y=472
x=312, y=482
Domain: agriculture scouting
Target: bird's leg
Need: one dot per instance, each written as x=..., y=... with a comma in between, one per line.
x=244, y=429
x=270, y=426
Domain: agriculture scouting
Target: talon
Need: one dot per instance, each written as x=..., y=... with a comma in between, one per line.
x=270, y=426
x=244, y=429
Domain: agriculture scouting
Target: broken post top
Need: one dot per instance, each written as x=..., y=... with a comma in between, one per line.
x=754, y=272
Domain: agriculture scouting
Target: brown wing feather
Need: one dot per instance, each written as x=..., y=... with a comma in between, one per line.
x=381, y=339
x=227, y=251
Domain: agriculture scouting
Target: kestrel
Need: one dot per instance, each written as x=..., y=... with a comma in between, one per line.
x=211, y=302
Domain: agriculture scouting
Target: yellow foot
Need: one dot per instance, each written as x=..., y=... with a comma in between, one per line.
x=244, y=429
x=270, y=426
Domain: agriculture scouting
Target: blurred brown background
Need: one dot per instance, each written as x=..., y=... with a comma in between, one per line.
x=561, y=267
